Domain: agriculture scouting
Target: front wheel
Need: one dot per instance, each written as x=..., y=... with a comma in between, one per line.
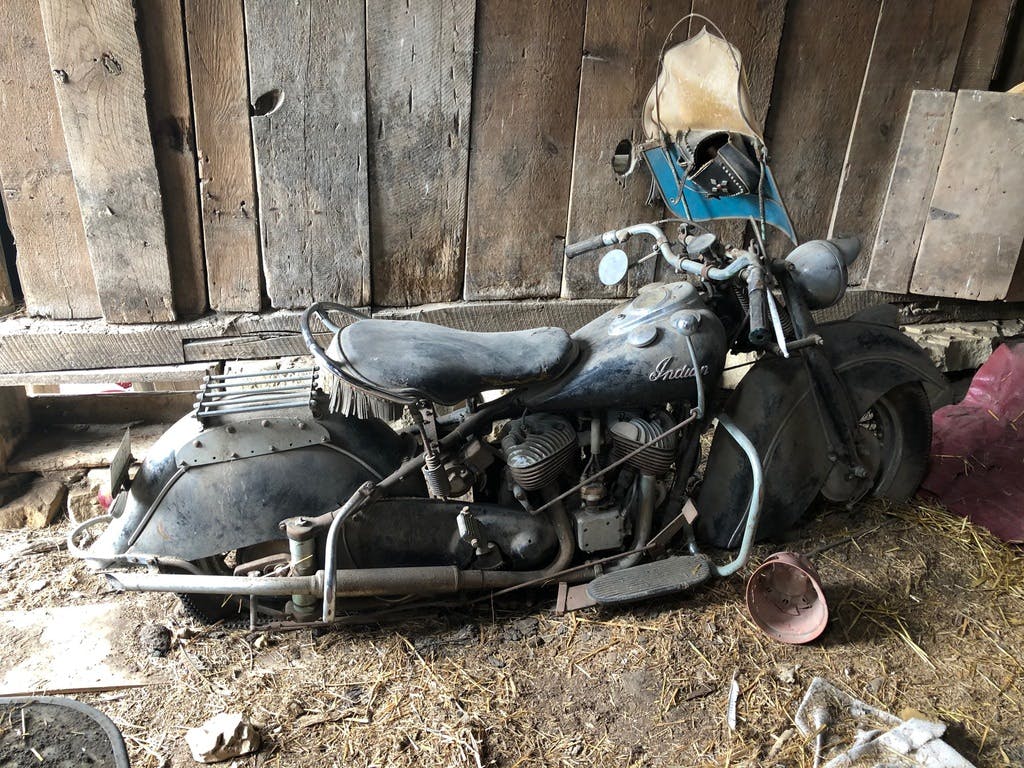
x=893, y=439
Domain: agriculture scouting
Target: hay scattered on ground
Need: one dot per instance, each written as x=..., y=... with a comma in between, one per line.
x=927, y=613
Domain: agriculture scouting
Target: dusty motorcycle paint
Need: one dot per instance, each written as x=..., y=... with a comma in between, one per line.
x=637, y=356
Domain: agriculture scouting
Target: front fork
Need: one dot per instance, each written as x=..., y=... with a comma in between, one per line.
x=835, y=409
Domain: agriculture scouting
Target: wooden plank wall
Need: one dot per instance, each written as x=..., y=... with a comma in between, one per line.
x=246, y=155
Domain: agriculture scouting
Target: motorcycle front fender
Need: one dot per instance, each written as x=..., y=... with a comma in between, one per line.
x=775, y=408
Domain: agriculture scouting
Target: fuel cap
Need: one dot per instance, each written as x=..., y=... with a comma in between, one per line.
x=643, y=336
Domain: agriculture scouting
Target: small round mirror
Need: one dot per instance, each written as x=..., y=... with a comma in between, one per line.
x=613, y=266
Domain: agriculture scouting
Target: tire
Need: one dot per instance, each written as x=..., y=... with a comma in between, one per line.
x=901, y=421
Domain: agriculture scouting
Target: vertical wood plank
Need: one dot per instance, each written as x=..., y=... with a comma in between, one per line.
x=215, y=30
x=907, y=201
x=419, y=57
x=620, y=61
x=916, y=46
x=525, y=85
x=818, y=78
x=94, y=52
x=162, y=40
x=974, y=233
x=38, y=188
x=307, y=80
x=983, y=43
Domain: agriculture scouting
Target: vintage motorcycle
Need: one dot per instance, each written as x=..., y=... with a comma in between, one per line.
x=417, y=461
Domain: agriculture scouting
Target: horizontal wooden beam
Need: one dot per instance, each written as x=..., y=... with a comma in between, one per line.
x=148, y=373
x=115, y=408
x=31, y=344
x=94, y=348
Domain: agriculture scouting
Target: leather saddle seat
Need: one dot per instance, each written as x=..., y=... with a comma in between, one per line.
x=445, y=365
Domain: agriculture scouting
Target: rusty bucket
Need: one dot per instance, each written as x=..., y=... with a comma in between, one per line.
x=785, y=599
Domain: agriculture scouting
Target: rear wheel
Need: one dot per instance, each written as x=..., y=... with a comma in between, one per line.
x=232, y=610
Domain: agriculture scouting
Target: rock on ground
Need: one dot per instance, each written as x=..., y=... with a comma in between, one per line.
x=222, y=737
x=35, y=508
x=84, y=498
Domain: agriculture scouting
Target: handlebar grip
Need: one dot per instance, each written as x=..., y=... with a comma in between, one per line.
x=590, y=244
x=759, y=333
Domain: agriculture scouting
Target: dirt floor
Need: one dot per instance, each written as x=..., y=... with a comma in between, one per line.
x=927, y=615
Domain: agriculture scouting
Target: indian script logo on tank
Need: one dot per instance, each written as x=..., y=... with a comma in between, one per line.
x=662, y=371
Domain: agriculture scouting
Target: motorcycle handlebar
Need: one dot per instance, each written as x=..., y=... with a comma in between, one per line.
x=677, y=262
x=590, y=244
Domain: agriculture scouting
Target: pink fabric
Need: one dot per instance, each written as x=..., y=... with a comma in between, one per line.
x=977, y=462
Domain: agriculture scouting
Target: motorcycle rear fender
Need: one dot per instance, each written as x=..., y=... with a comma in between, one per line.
x=206, y=510
x=774, y=407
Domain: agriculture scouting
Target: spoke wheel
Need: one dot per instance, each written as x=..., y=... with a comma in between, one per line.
x=893, y=440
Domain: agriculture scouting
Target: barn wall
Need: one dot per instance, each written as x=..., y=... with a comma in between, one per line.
x=172, y=157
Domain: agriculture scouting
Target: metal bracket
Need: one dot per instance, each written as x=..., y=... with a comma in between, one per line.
x=120, y=464
x=572, y=598
x=245, y=439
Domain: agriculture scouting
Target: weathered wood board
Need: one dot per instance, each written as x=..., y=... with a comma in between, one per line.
x=620, y=63
x=227, y=186
x=56, y=448
x=983, y=43
x=74, y=648
x=94, y=52
x=821, y=63
x=525, y=84
x=973, y=237
x=111, y=408
x=161, y=374
x=916, y=45
x=908, y=199
x=38, y=188
x=162, y=40
x=419, y=62
x=307, y=82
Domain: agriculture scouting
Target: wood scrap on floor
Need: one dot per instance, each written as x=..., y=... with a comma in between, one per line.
x=35, y=507
x=80, y=446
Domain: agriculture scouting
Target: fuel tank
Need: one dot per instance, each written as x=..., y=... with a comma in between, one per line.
x=637, y=355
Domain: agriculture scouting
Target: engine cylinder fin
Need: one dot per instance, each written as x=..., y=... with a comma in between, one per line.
x=537, y=449
x=629, y=434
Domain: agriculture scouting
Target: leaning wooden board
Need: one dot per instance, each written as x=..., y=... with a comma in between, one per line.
x=905, y=209
x=94, y=53
x=526, y=82
x=307, y=82
x=220, y=96
x=419, y=64
x=38, y=188
x=916, y=45
x=972, y=240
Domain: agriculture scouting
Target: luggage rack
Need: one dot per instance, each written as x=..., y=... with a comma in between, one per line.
x=233, y=393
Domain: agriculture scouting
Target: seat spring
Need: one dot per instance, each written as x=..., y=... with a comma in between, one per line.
x=436, y=475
